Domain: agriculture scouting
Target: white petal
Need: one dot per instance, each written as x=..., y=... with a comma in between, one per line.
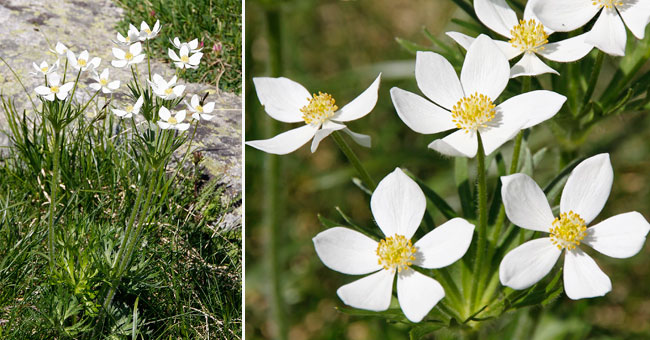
x=444, y=245
x=619, y=236
x=119, y=63
x=565, y=15
x=184, y=51
x=505, y=126
x=608, y=33
x=466, y=41
x=534, y=107
x=178, y=90
x=530, y=14
x=208, y=108
x=496, y=15
x=118, y=53
x=530, y=65
x=582, y=276
x=419, y=114
x=164, y=125
x=114, y=85
x=587, y=189
x=457, y=144
x=194, y=101
x=362, y=105
x=195, y=58
x=485, y=70
x=636, y=15
x=347, y=251
x=282, y=98
x=66, y=87
x=372, y=292
x=172, y=55
x=95, y=86
x=361, y=139
x=137, y=59
x=525, y=203
x=568, y=50
x=180, y=116
x=49, y=97
x=42, y=90
x=417, y=294
x=136, y=48
x=398, y=204
x=164, y=113
x=527, y=264
x=437, y=79
x=285, y=142
x=324, y=132
x=182, y=127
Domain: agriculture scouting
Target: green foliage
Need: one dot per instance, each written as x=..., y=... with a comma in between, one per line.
x=213, y=22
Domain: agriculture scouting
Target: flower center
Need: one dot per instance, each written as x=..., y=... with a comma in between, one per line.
x=199, y=108
x=395, y=252
x=320, y=108
x=169, y=91
x=528, y=36
x=148, y=31
x=185, y=59
x=127, y=38
x=172, y=121
x=54, y=89
x=128, y=56
x=568, y=230
x=82, y=62
x=473, y=112
x=129, y=108
x=44, y=69
x=607, y=3
x=103, y=82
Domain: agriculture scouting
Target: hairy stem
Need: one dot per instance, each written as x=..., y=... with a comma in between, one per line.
x=482, y=222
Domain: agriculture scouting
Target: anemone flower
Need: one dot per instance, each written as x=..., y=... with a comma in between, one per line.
x=193, y=45
x=83, y=61
x=583, y=197
x=172, y=121
x=132, y=36
x=44, y=68
x=183, y=59
x=289, y=102
x=468, y=104
x=130, y=110
x=103, y=82
x=200, y=110
x=133, y=56
x=166, y=90
x=147, y=33
x=54, y=88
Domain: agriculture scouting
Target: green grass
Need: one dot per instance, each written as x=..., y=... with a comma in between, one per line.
x=210, y=21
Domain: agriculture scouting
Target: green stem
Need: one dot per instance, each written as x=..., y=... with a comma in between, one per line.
x=354, y=160
x=148, y=59
x=482, y=221
x=181, y=164
x=513, y=168
x=54, y=185
x=593, y=79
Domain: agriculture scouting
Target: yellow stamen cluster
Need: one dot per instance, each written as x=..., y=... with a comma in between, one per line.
x=103, y=82
x=148, y=31
x=199, y=108
x=607, y=3
x=473, y=112
x=529, y=36
x=172, y=121
x=54, y=89
x=320, y=108
x=568, y=230
x=82, y=62
x=169, y=91
x=396, y=252
x=185, y=59
x=128, y=56
x=44, y=69
x=129, y=108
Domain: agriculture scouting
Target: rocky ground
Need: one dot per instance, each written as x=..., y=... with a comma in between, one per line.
x=29, y=28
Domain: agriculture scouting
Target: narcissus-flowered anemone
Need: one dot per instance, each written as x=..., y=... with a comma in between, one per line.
x=169, y=120
x=147, y=32
x=183, y=59
x=289, y=102
x=608, y=32
x=130, y=110
x=200, y=111
x=54, y=89
x=528, y=37
x=132, y=56
x=166, y=90
x=469, y=104
x=583, y=197
x=398, y=205
x=103, y=82
x=83, y=61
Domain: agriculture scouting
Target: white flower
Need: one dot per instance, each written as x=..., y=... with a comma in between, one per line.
x=132, y=36
x=398, y=206
x=200, y=111
x=54, y=88
x=147, y=33
x=130, y=110
x=44, y=68
x=583, y=197
x=183, y=59
x=289, y=102
x=169, y=121
x=83, y=62
x=133, y=56
x=60, y=49
x=468, y=104
x=608, y=32
x=166, y=90
x=192, y=45
x=527, y=36
x=103, y=82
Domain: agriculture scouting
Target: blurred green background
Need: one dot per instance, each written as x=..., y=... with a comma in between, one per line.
x=339, y=47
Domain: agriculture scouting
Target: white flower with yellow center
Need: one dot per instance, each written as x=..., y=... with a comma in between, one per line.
x=193, y=45
x=130, y=110
x=54, y=89
x=147, y=33
x=398, y=206
x=608, y=32
x=468, y=104
x=132, y=36
x=183, y=59
x=583, y=197
x=44, y=68
x=287, y=101
x=83, y=61
x=103, y=82
x=166, y=90
x=60, y=49
x=172, y=121
x=528, y=37
x=133, y=56
x=200, y=110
